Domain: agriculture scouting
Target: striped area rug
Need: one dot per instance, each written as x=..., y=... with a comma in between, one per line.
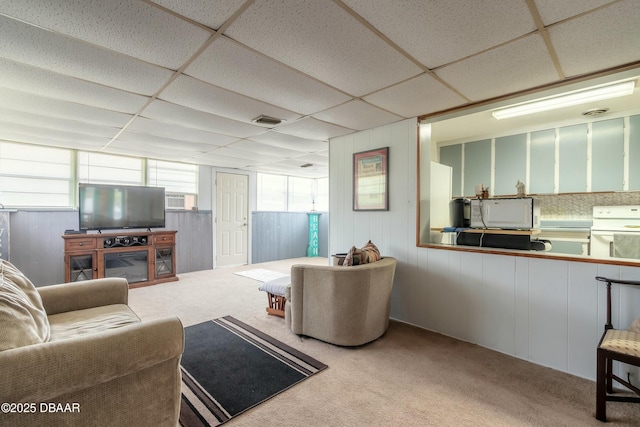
x=229, y=367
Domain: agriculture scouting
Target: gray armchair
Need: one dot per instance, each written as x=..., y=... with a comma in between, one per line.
x=347, y=306
x=81, y=348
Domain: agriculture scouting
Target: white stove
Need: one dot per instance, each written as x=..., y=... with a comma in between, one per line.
x=616, y=232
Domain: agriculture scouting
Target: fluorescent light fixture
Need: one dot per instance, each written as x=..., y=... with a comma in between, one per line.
x=566, y=100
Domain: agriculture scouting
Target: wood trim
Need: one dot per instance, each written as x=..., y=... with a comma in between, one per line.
x=532, y=254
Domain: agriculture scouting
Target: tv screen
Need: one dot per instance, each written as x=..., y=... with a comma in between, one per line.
x=103, y=207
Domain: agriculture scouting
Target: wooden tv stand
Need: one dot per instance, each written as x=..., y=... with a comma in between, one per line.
x=142, y=257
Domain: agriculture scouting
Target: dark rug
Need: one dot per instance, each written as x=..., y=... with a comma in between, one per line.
x=229, y=367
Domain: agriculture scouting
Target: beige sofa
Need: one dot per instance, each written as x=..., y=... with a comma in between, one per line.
x=76, y=354
x=346, y=306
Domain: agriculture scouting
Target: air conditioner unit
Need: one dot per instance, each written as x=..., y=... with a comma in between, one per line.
x=174, y=201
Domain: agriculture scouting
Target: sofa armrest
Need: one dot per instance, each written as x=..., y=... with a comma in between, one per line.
x=41, y=372
x=85, y=294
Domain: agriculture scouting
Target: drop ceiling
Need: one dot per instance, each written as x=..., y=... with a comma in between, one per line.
x=183, y=80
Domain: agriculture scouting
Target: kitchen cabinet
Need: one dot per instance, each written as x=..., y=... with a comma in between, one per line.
x=561, y=160
x=542, y=161
x=510, y=163
x=607, y=155
x=573, y=159
x=451, y=155
x=634, y=152
x=477, y=165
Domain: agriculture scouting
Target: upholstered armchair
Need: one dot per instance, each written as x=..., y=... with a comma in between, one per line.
x=347, y=306
x=79, y=347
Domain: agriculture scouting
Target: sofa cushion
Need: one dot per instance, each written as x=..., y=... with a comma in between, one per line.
x=90, y=321
x=23, y=320
x=368, y=253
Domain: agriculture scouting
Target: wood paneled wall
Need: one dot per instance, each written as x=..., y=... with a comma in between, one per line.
x=549, y=312
x=38, y=250
x=283, y=235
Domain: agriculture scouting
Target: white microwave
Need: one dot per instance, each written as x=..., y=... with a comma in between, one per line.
x=522, y=213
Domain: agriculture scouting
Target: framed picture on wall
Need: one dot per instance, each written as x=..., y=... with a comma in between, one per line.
x=371, y=180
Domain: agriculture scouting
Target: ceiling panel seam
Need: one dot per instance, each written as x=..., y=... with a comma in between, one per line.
x=533, y=9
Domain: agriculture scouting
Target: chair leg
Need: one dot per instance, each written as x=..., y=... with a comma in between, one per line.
x=602, y=383
x=609, y=376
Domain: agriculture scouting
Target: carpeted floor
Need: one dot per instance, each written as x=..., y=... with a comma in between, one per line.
x=409, y=377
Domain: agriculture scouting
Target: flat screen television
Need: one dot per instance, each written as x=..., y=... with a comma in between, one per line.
x=109, y=207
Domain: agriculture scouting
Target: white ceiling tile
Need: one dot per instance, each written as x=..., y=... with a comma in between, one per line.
x=316, y=159
x=134, y=28
x=160, y=143
x=55, y=123
x=516, y=66
x=552, y=11
x=290, y=142
x=418, y=96
x=183, y=116
x=357, y=115
x=202, y=11
x=142, y=150
x=30, y=103
x=44, y=49
x=292, y=170
x=250, y=157
x=39, y=135
x=31, y=139
x=174, y=131
x=230, y=65
x=259, y=148
x=293, y=166
x=198, y=95
x=46, y=83
x=311, y=128
x=216, y=159
x=441, y=31
x=322, y=40
x=600, y=40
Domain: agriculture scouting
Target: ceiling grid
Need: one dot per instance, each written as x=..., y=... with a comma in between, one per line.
x=183, y=81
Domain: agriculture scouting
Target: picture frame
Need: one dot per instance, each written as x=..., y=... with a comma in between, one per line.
x=371, y=180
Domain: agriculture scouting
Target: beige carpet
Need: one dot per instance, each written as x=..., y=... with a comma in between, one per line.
x=409, y=377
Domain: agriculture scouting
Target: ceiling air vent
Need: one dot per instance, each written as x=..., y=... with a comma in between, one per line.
x=266, y=120
x=595, y=112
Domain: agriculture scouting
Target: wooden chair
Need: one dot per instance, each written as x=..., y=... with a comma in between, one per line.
x=621, y=346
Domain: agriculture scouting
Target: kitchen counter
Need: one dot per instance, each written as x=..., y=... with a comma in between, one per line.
x=535, y=254
x=567, y=236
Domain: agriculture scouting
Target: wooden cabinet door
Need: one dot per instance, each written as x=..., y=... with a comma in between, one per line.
x=80, y=266
x=607, y=155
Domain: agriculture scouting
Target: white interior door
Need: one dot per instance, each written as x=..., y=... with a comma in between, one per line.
x=231, y=219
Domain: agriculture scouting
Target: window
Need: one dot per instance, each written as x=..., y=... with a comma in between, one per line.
x=272, y=192
x=99, y=168
x=180, y=181
x=322, y=194
x=32, y=175
x=300, y=194
x=174, y=177
x=290, y=193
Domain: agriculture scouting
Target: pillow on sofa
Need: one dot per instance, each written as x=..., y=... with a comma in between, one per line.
x=23, y=320
x=368, y=253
